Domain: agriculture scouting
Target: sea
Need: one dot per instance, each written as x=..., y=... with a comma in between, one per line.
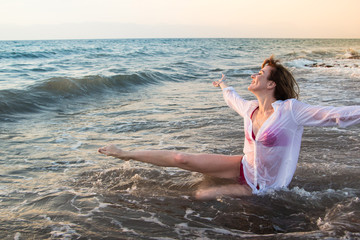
x=60, y=100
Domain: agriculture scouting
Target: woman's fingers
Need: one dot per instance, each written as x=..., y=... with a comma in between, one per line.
x=216, y=84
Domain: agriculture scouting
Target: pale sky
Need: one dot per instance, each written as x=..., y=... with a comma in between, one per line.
x=69, y=19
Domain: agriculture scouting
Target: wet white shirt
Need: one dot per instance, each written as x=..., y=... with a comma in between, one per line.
x=270, y=159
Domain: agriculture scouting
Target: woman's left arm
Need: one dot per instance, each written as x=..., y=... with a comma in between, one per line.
x=310, y=115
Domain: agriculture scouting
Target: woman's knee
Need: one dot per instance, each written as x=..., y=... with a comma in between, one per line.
x=180, y=159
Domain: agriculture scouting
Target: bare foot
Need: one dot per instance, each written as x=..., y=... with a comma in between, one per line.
x=113, y=151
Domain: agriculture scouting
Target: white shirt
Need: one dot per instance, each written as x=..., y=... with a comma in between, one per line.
x=270, y=159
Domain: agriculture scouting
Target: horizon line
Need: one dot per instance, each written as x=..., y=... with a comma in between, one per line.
x=139, y=38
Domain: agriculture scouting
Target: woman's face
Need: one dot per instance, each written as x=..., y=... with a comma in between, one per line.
x=260, y=81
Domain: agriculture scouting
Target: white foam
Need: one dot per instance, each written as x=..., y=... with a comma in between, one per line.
x=123, y=229
x=300, y=63
x=65, y=232
x=302, y=192
x=188, y=212
x=95, y=209
x=350, y=53
x=45, y=217
x=224, y=231
x=186, y=197
x=340, y=215
x=153, y=219
x=182, y=225
x=201, y=231
x=117, y=223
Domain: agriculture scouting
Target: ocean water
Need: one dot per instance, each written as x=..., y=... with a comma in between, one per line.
x=62, y=100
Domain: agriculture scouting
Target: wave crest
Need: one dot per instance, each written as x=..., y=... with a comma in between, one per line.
x=351, y=54
x=52, y=91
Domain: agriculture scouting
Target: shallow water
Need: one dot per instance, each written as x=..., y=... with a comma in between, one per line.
x=61, y=100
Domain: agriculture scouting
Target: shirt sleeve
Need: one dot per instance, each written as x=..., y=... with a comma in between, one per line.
x=311, y=115
x=234, y=101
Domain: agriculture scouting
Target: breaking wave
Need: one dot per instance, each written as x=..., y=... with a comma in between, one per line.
x=44, y=95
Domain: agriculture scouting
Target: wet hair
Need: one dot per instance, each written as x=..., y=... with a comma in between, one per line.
x=286, y=85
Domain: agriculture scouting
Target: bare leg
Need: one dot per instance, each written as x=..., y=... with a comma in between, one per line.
x=232, y=190
x=221, y=166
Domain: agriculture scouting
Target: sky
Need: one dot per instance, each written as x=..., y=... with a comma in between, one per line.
x=90, y=19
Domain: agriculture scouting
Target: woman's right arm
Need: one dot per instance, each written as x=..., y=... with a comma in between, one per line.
x=232, y=99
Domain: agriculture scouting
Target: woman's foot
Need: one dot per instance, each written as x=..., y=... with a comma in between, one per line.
x=114, y=151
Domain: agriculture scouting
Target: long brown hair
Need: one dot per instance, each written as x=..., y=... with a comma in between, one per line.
x=286, y=85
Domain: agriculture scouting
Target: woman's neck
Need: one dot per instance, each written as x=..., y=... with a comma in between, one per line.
x=265, y=104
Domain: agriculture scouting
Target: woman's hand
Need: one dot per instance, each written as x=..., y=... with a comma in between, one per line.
x=218, y=83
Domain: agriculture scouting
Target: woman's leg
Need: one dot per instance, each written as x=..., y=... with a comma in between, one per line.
x=215, y=165
x=231, y=190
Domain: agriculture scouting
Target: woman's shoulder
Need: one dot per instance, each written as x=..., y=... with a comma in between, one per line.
x=290, y=104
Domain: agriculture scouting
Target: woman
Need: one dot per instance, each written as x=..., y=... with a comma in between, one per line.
x=273, y=127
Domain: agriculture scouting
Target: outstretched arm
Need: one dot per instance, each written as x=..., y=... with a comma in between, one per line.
x=232, y=99
x=310, y=115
